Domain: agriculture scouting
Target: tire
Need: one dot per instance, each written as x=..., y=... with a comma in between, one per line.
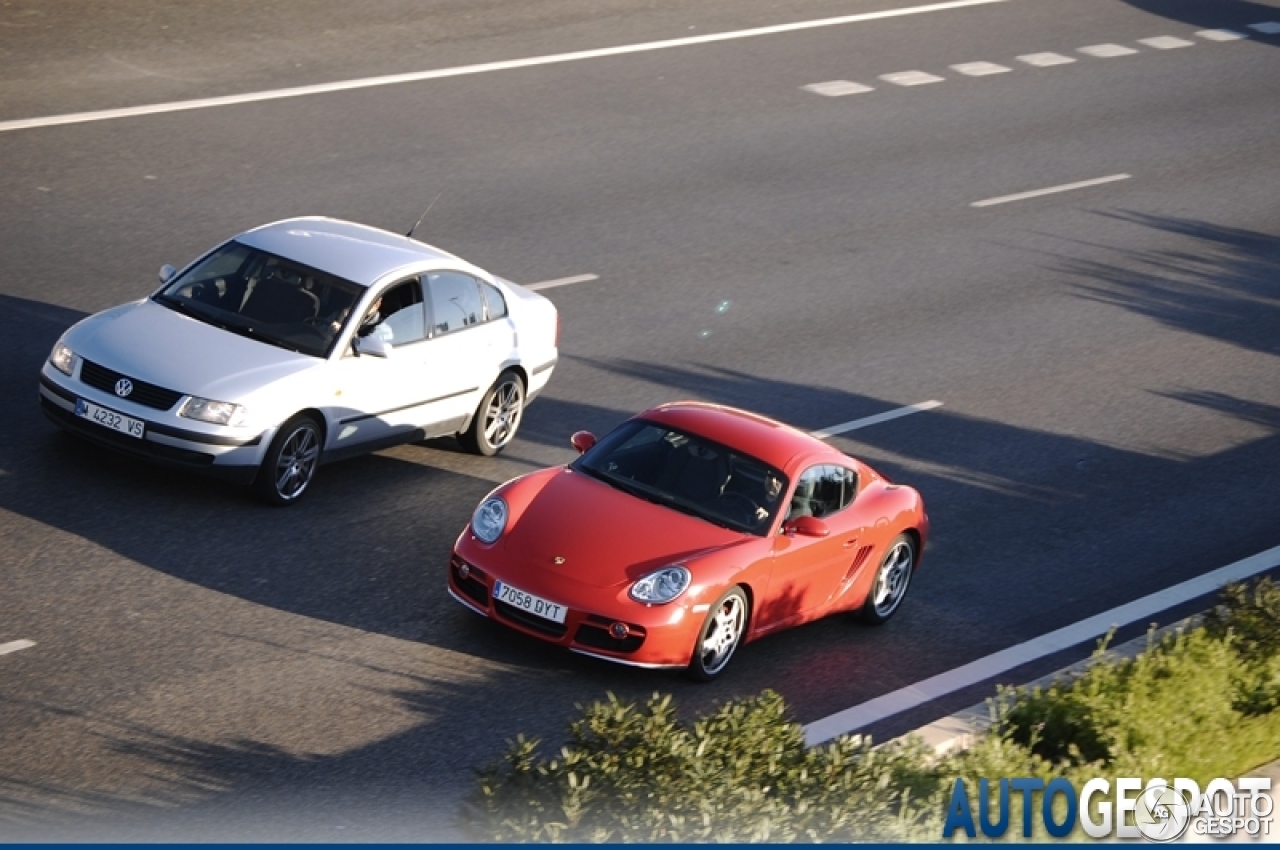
x=720, y=636
x=892, y=580
x=497, y=418
x=290, y=465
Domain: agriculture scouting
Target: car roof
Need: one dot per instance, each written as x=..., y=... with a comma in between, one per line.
x=777, y=444
x=354, y=252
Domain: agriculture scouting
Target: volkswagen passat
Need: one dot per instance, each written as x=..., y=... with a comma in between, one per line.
x=302, y=342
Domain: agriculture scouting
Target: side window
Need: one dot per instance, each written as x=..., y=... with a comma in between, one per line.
x=456, y=302
x=493, y=298
x=822, y=490
x=400, y=318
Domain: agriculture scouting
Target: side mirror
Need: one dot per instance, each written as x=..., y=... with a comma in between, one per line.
x=372, y=344
x=806, y=526
x=582, y=441
x=167, y=272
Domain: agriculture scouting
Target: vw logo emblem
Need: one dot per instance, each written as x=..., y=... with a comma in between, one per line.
x=124, y=386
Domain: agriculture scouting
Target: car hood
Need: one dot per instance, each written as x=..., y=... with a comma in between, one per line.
x=583, y=529
x=150, y=342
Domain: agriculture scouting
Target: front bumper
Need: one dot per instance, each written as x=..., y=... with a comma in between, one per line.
x=223, y=455
x=659, y=636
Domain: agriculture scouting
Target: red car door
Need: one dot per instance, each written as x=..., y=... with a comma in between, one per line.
x=808, y=572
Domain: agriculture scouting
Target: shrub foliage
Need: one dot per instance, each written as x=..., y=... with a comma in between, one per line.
x=1200, y=703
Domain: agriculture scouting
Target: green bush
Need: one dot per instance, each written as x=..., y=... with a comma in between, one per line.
x=1200, y=703
x=741, y=774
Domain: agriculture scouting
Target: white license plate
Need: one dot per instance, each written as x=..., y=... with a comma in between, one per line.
x=110, y=419
x=535, y=605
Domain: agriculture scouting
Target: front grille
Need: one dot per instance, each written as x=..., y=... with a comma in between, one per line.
x=594, y=632
x=148, y=395
x=474, y=588
x=530, y=621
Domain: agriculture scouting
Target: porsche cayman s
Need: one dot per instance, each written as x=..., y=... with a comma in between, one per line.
x=683, y=533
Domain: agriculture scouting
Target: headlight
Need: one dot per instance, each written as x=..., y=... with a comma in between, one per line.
x=63, y=359
x=215, y=412
x=490, y=519
x=661, y=587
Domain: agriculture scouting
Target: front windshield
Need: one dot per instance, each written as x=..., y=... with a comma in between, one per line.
x=264, y=297
x=688, y=473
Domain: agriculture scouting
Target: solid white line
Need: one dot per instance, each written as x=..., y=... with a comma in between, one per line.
x=561, y=281
x=875, y=420
x=1022, y=196
x=860, y=716
x=483, y=68
x=15, y=645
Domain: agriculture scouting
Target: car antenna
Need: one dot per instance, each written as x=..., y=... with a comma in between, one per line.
x=424, y=214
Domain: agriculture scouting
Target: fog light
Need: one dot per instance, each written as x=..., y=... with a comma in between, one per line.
x=619, y=631
x=464, y=570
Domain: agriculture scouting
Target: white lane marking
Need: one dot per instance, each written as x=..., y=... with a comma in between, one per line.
x=1165, y=42
x=897, y=413
x=1035, y=193
x=979, y=69
x=837, y=88
x=860, y=716
x=1106, y=51
x=1269, y=27
x=910, y=78
x=1222, y=35
x=1044, y=60
x=561, y=281
x=484, y=68
x=15, y=645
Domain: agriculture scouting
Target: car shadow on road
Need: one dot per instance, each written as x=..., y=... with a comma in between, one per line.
x=1237, y=14
x=1025, y=521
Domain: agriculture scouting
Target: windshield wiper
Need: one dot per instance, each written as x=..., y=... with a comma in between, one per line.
x=657, y=497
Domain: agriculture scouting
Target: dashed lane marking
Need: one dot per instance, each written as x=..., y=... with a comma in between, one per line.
x=1035, y=193
x=1165, y=42
x=854, y=425
x=912, y=696
x=1045, y=60
x=911, y=78
x=1106, y=51
x=561, y=281
x=15, y=645
x=837, y=88
x=1221, y=35
x=979, y=69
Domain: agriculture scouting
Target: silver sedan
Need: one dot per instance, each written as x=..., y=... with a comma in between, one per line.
x=302, y=342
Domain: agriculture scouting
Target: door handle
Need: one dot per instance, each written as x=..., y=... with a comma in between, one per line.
x=850, y=543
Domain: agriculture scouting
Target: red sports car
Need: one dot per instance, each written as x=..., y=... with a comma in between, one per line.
x=685, y=531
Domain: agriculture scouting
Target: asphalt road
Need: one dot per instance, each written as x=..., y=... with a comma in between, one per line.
x=1106, y=357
